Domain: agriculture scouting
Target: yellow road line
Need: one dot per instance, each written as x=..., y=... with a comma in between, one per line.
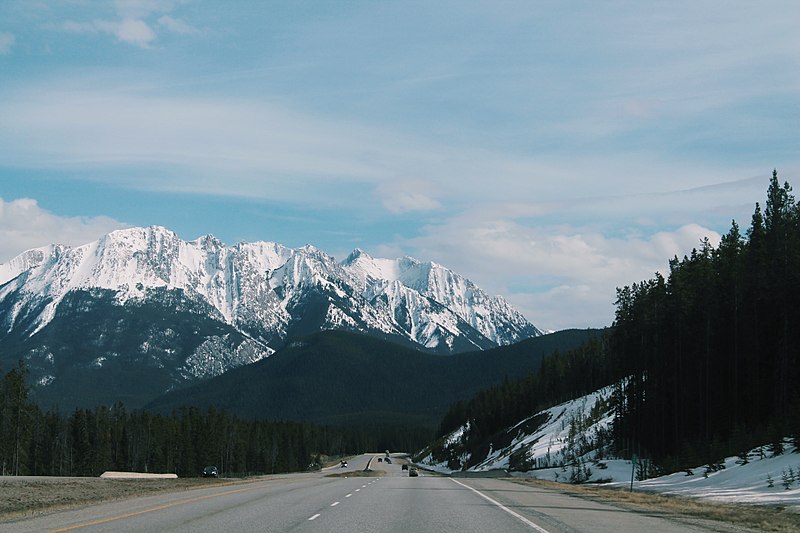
x=159, y=508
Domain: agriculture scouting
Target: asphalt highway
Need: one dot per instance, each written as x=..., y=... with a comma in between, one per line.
x=336, y=500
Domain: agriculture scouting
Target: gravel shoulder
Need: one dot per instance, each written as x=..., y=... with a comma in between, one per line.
x=716, y=516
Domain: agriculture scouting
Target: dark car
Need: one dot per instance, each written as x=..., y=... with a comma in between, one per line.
x=210, y=471
x=404, y=467
x=387, y=460
x=344, y=464
x=412, y=472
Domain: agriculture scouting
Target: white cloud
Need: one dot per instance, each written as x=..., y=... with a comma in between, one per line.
x=132, y=23
x=25, y=225
x=131, y=31
x=259, y=148
x=558, y=276
x=7, y=41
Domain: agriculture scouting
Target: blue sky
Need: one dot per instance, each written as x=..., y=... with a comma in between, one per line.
x=549, y=151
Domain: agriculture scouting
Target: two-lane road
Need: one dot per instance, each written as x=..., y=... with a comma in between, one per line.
x=317, y=502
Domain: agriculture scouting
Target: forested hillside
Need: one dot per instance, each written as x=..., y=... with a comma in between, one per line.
x=712, y=350
x=377, y=394
x=88, y=442
x=349, y=379
x=705, y=360
x=563, y=375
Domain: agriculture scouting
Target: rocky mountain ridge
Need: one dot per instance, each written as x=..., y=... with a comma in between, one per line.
x=250, y=298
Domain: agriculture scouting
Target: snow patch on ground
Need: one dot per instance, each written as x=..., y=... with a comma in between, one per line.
x=555, y=451
x=136, y=475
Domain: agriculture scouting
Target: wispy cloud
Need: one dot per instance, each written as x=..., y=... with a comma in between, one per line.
x=402, y=196
x=145, y=8
x=7, y=41
x=135, y=22
x=177, y=26
x=130, y=31
x=260, y=149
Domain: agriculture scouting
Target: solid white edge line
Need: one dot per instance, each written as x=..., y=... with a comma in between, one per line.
x=314, y=517
x=503, y=507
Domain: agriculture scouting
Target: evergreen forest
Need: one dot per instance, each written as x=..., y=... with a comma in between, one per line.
x=344, y=393
x=88, y=442
x=705, y=360
x=710, y=353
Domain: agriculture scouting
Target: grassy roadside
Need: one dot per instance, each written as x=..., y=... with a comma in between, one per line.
x=26, y=497
x=761, y=518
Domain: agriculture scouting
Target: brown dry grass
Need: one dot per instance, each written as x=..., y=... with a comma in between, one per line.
x=29, y=496
x=760, y=518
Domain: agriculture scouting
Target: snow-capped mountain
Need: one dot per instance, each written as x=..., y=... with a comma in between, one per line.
x=252, y=296
x=493, y=317
x=257, y=286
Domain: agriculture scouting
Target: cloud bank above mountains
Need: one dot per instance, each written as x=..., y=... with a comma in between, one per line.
x=548, y=152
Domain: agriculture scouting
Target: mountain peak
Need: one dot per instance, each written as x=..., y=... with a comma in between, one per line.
x=354, y=256
x=27, y=260
x=261, y=287
x=210, y=241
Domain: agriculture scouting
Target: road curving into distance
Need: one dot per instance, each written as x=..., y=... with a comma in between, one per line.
x=352, y=500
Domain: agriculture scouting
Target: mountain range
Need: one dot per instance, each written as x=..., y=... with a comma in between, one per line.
x=141, y=311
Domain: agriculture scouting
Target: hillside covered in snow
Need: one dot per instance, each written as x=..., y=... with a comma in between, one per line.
x=569, y=443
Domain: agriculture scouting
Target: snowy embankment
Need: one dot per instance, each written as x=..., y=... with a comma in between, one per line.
x=571, y=445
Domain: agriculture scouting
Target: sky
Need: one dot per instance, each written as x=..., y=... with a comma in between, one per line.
x=549, y=151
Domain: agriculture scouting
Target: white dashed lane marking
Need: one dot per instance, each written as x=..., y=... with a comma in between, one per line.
x=334, y=504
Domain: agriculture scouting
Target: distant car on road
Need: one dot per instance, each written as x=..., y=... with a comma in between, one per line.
x=388, y=461
x=344, y=464
x=404, y=467
x=380, y=459
x=210, y=471
x=412, y=472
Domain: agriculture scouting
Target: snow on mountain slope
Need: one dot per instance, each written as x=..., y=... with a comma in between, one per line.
x=492, y=317
x=264, y=288
x=26, y=261
x=133, y=261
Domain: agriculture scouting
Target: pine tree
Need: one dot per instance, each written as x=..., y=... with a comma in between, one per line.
x=16, y=416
